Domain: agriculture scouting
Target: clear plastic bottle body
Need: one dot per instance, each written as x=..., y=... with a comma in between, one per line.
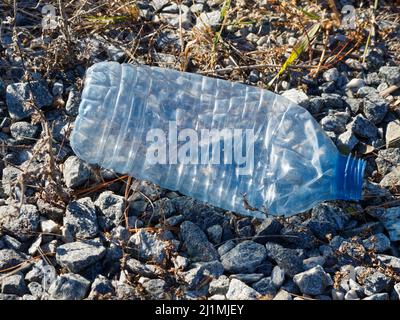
x=295, y=164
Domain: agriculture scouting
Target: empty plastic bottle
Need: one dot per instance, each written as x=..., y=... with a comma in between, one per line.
x=295, y=164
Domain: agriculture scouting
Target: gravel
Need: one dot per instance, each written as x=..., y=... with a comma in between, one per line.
x=244, y=258
x=69, y=287
x=76, y=172
x=287, y=259
x=393, y=134
x=14, y=284
x=313, y=281
x=240, y=291
x=112, y=208
x=24, y=132
x=266, y=287
x=18, y=94
x=80, y=219
x=376, y=283
x=21, y=222
x=197, y=245
x=149, y=246
x=363, y=128
x=390, y=74
x=219, y=286
x=76, y=256
x=327, y=218
x=267, y=229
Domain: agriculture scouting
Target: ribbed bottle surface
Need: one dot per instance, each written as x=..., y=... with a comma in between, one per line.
x=294, y=161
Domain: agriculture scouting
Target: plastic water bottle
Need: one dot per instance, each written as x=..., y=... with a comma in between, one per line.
x=294, y=165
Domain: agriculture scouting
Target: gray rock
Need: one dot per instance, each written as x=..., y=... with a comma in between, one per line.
x=58, y=89
x=354, y=104
x=283, y=295
x=180, y=262
x=378, y=296
x=154, y=287
x=112, y=206
x=14, y=284
x=390, y=219
x=351, y=253
x=197, y=245
x=171, y=16
x=80, y=219
x=115, y=53
x=387, y=160
x=225, y=247
x=313, y=281
x=215, y=233
x=297, y=96
x=277, y=277
x=18, y=94
x=209, y=19
x=35, y=289
x=49, y=226
x=72, y=104
x=136, y=267
x=37, y=272
x=76, y=172
x=240, y=291
x=393, y=134
x=373, y=79
x=315, y=105
x=4, y=296
x=378, y=243
x=21, y=222
x=375, y=108
x=355, y=84
x=332, y=101
x=201, y=271
x=269, y=227
x=197, y=8
x=390, y=261
x=217, y=297
x=335, y=121
x=24, y=132
x=337, y=295
x=159, y=4
x=392, y=179
x=365, y=91
x=390, y=74
x=247, y=278
x=10, y=243
x=312, y=262
x=244, y=258
x=265, y=286
x=101, y=288
x=330, y=75
x=2, y=88
x=346, y=141
x=149, y=246
x=363, y=128
x=219, y=286
x=327, y=218
x=69, y=286
x=351, y=295
x=396, y=291
x=287, y=259
x=121, y=234
x=76, y=256
x=376, y=283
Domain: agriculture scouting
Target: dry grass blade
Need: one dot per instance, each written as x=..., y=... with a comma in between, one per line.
x=298, y=49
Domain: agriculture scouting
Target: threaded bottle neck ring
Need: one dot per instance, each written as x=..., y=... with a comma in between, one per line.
x=349, y=177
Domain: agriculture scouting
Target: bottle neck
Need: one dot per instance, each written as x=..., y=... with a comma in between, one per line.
x=349, y=177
